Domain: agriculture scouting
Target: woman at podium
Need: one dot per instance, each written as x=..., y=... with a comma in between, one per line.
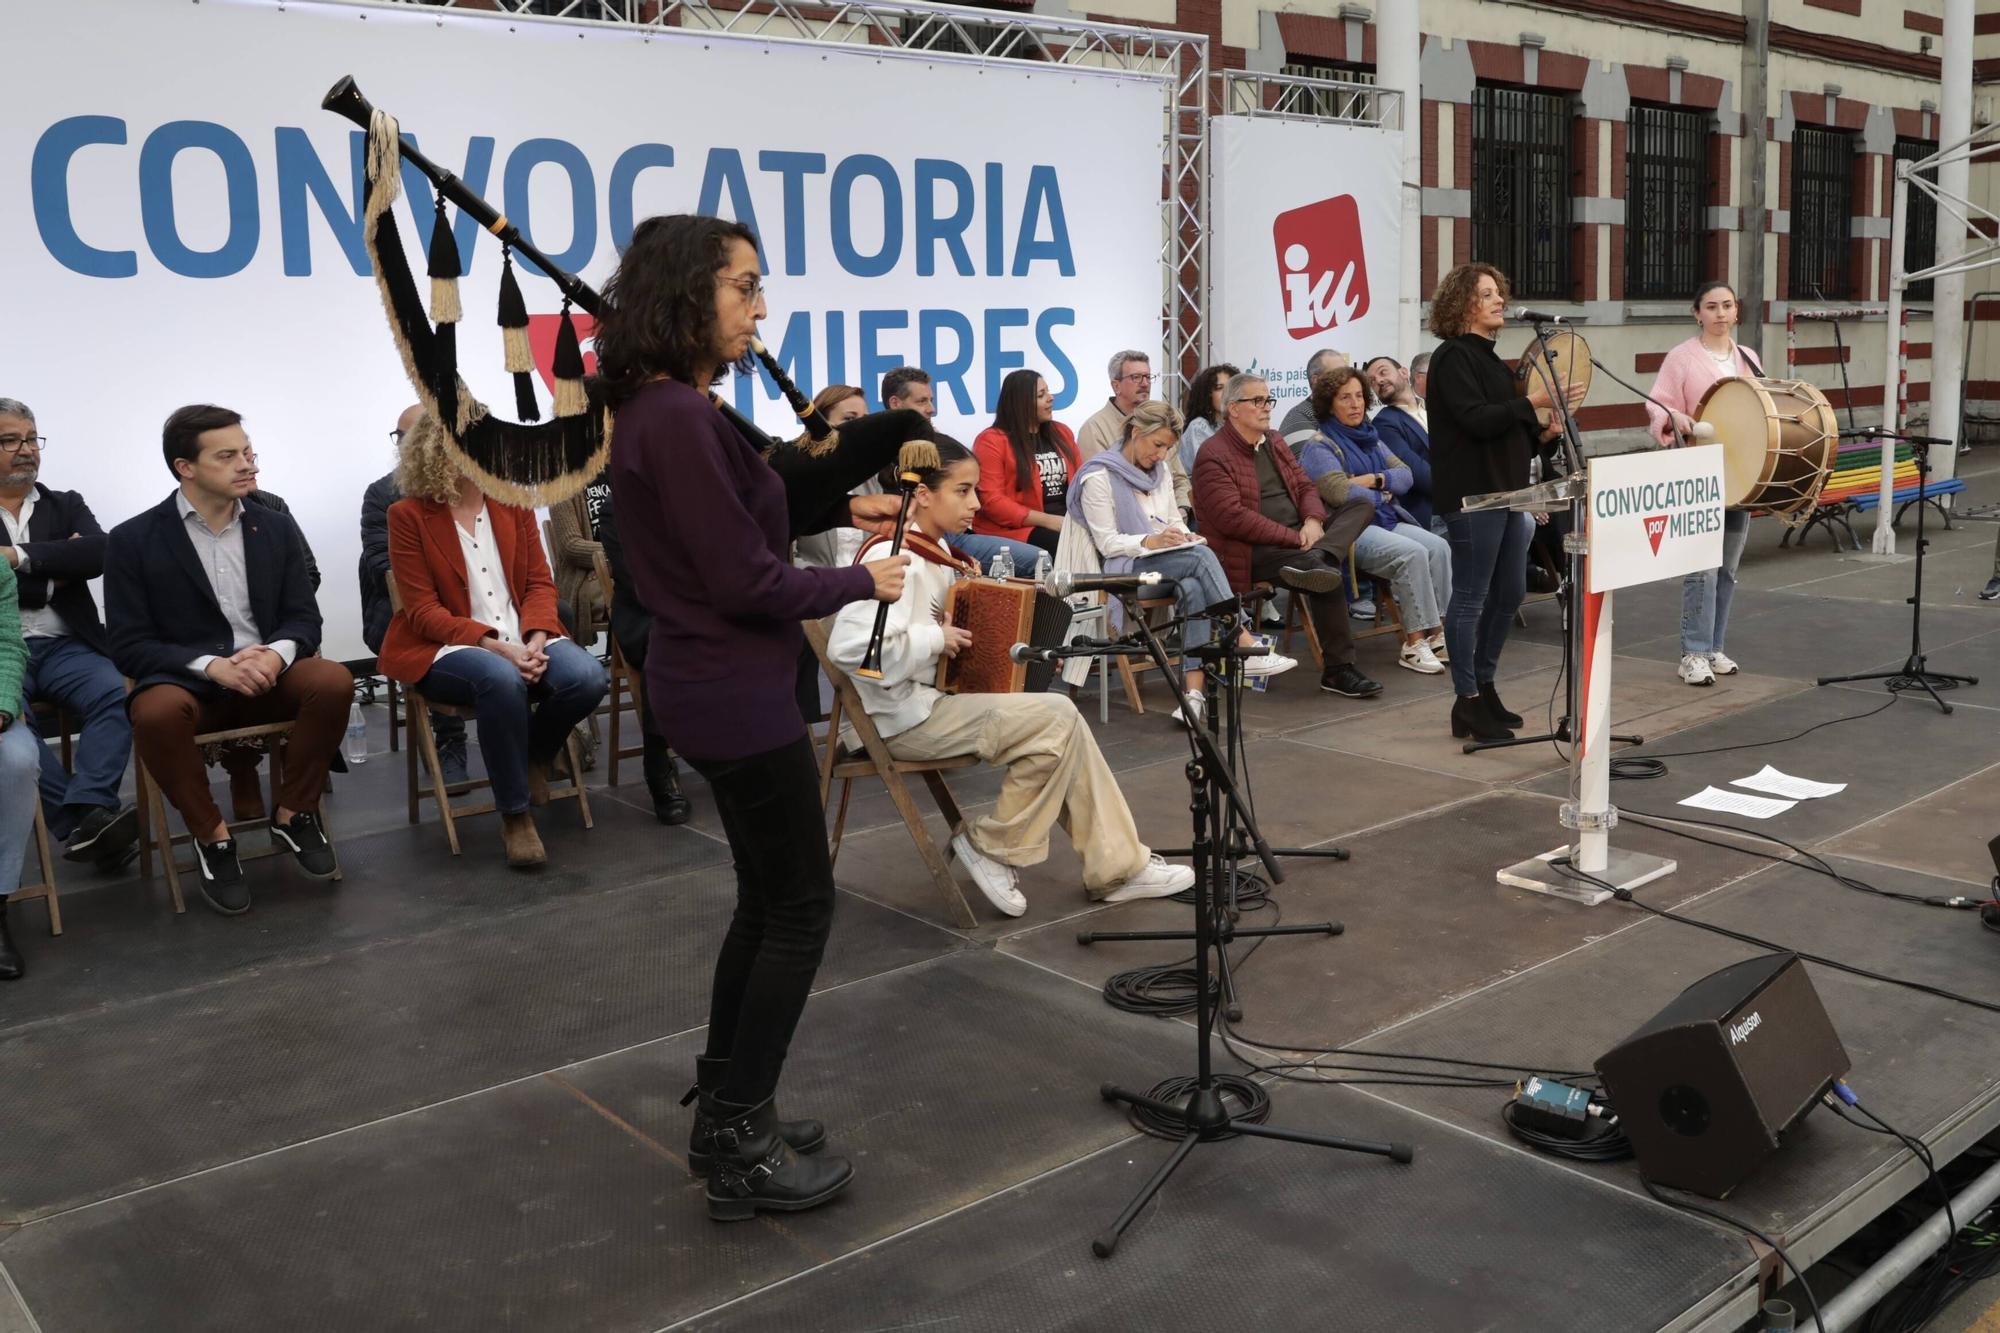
x=1483, y=433
x=1689, y=372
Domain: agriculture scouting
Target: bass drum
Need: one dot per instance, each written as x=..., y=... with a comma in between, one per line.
x=1779, y=439
x=1567, y=358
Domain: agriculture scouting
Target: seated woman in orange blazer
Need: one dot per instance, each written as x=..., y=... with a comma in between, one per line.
x=479, y=629
x=1026, y=459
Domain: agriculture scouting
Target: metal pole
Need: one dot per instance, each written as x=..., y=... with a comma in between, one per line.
x=1953, y=179
x=1885, y=507
x=1860, y=1296
x=1754, y=108
x=1398, y=49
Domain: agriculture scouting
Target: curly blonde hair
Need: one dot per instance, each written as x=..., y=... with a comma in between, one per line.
x=425, y=469
x=1451, y=304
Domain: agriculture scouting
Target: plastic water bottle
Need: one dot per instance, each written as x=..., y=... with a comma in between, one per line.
x=1042, y=563
x=1002, y=565
x=356, y=745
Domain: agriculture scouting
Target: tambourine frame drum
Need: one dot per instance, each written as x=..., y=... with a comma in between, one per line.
x=1570, y=358
x=1779, y=440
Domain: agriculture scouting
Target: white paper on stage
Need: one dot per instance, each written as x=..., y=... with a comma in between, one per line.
x=1784, y=784
x=1738, y=803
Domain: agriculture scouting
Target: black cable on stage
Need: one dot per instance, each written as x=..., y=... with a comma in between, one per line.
x=1607, y=1142
x=1251, y=1103
x=1641, y=767
x=1812, y=1302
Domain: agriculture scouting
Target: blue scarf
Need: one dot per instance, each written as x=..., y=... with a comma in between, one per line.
x=1361, y=452
x=1128, y=483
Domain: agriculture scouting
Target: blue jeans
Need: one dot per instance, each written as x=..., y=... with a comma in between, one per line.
x=1417, y=565
x=1489, y=577
x=18, y=764
x=983, y=547
x=1199, y=583
x=519, y=723
x=1705, y=597
x=75, y=677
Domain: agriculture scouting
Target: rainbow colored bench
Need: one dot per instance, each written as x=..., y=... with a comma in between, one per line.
x=1855, y=487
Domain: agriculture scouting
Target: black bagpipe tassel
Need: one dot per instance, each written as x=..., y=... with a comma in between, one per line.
x=571, y=400
x=445, y=270
x=514, y=336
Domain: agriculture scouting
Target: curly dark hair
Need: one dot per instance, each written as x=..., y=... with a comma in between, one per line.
x=1015, y=415
x=1451, y=304
x=1201, y=394
x=659, y=307
x=1329, y=385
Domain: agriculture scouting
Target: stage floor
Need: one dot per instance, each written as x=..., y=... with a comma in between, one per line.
x=441, y=1096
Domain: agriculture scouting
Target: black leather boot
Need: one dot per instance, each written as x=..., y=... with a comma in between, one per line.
x=1470, y=718
x=11, y=967
x=1498, y=711
x=801, y=1136
x=663, y=780
x=753, y=1170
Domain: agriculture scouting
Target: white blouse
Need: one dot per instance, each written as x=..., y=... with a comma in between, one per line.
x=485, y=583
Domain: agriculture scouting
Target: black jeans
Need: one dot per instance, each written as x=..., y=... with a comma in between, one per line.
x=771, y=810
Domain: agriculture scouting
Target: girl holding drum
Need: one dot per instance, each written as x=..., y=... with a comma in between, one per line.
x=1689, y=371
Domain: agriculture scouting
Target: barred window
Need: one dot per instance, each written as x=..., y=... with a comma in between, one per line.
x=1521, y=188
x=1329, y=103
x=1666, y=185
x=1822, y=215
x=1920, y=223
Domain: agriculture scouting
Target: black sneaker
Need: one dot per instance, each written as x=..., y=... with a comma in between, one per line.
x=103, y=834
x=1310, y=575
x=1991, y=592
x=222, y=886
x=1345, y=679
x=308, y=843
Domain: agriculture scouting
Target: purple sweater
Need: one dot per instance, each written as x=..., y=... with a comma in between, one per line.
x=705, y=530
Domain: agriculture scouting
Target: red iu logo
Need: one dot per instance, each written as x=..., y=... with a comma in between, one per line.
x=1322, y=272
x=1656, y=528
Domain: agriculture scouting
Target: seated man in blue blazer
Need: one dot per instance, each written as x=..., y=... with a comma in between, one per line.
x=212, y=616
x=56, y=548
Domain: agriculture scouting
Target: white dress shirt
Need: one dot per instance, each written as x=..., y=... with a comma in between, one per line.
x=221, y=555
x=1090, y=501
x=39, y=622
x=485, y=583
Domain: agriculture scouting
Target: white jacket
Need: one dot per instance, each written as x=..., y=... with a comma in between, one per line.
x=911, y=646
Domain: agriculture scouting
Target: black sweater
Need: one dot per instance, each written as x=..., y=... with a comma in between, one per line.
x=1482, y=432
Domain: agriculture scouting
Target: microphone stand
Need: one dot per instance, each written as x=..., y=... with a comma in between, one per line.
x=1214, y=800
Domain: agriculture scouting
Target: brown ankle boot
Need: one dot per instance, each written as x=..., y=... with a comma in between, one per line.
x=538, y=784
x=523, y=844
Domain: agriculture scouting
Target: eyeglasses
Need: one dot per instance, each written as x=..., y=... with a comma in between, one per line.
x=13, y=444
x=751, y=287
x=1140, y=377
x=1259, y=402
x=396, y=436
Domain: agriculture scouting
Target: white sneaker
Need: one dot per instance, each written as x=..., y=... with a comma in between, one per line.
x=1268, y=664
x=1436, y=642
x=1720, y=664
x=1418, y=657
x=1193, y=711
x=995, y=880
x=1157, y=880
x=1696, y=671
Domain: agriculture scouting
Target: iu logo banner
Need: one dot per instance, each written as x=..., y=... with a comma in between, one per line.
x=1322, y=265
x=1656, y=528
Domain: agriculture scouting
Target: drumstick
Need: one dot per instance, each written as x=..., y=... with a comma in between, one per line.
x=916, y=458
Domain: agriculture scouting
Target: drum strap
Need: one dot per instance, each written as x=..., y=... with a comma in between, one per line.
x=1751, y=357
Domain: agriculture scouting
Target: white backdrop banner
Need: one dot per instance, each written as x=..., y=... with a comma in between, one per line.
x=185, y=221
x=1304, y=245
x=1655, y=514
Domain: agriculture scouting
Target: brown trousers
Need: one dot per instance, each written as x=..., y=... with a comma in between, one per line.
x=1329, y=611
x=315, y=694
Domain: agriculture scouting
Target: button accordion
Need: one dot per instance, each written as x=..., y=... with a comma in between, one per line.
x=1000, y=613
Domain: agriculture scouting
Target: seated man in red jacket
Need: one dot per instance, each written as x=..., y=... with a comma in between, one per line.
x=1266, y=523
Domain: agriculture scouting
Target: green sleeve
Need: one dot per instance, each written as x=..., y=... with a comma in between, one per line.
x=13, y=649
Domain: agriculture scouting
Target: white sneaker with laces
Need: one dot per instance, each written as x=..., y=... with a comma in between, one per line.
x=1156, y=880
x=1436, y=642
x=1721, y=664
x=1418, y=657
x=994, y=880
x=1193, y=710
x=1268, y=664
x=1696, y=671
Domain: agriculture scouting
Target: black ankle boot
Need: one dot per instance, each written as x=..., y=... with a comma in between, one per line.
x=663, y=780
x=801, y=1136
x=1470, y=718
x=754, y=1170
x=1497, y=710
x=11, y=968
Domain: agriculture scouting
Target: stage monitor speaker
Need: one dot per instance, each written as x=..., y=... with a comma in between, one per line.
x=1709, y=1086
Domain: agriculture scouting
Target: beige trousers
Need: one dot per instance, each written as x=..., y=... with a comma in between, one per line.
x=1055, y=774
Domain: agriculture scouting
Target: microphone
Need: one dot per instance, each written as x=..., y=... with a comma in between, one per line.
x=1025, y=652
x=1061, y=583
x=1527, y=316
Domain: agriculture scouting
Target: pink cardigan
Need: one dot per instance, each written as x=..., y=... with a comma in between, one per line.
x=1688, y=373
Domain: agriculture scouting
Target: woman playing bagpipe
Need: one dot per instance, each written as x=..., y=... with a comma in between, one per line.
x=709, y=508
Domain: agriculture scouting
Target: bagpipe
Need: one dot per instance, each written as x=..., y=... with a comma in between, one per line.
x=530, y=462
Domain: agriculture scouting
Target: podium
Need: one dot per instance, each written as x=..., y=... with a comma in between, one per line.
x=1636, y=518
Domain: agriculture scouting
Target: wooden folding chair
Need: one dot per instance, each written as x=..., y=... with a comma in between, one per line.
x=46, y=890
x=1388, y=617
x=423, y=746
x=626, y=683
x=1129, y=671
x=51, y=720
x=875, y=760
